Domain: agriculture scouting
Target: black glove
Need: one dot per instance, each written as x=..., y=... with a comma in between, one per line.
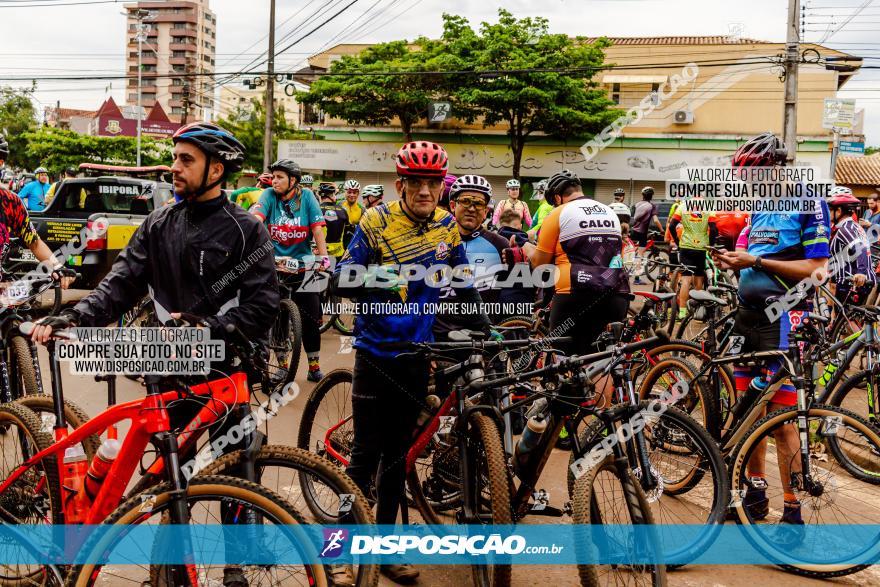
x=66, y=319
x=60, y=272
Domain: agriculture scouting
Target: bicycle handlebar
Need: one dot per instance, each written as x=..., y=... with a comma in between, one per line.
x=662, y=337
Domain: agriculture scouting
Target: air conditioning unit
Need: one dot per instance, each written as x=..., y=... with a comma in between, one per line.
x=683, y=117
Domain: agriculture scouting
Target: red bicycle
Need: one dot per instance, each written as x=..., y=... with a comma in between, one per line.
x=55, y=483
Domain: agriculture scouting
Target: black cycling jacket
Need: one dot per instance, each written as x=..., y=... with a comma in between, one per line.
x=211, y=259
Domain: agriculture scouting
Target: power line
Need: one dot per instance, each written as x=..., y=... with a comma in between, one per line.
x=62, y=4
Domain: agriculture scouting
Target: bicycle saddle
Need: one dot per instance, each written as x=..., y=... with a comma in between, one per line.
x=657, y=296
x=704, y=297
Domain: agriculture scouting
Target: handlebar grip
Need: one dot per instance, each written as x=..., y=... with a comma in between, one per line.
x=27, y=328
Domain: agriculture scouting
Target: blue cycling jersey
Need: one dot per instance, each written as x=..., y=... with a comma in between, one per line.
x=786, y=238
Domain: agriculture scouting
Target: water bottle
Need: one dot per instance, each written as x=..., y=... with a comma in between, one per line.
x=107, y=453
x=531, y=436
x=73, y=475
x=823, y=308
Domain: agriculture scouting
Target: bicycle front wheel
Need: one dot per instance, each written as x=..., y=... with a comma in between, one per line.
x=692, y=486
x=285, y=344
x=491, y=490
x=608, y=494
x=829, y=496
x=208, y=499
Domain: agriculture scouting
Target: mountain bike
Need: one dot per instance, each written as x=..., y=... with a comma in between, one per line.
x=830, y=491
x=612, y=490
x=50, y=485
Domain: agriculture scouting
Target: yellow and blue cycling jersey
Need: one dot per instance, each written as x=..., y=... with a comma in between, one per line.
x=387, y=236
x=783, y=237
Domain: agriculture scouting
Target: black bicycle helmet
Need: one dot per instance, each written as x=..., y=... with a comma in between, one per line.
x=288, y=166
x=4, y=148
x=215, y=142
x=620, y=192
x=648, y=191
x=557, y=184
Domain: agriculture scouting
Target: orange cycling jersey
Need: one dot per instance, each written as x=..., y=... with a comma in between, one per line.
x=584, y=238
x=730, y=224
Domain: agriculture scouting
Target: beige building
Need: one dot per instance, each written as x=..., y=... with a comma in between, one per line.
x=233, y=97
x=179, y=45
x=730, y=93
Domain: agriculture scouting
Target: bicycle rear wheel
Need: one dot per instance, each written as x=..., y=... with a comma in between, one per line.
x=205, y=497
x=44, y=407
x=608, y=494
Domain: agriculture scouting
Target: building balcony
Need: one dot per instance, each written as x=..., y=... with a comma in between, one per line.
x=149, y=59
x=181, y=17
x=178, y=60
x=183, y=47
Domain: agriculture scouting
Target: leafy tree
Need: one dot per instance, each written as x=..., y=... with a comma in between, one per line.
x=363, y=97
x=248, y=124
x=56, y=149
x=564, y=104
x=17, y=117
x=872, y=150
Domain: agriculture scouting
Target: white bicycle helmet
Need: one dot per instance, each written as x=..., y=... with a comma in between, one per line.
x=352, y=184
x=373, y=191
x=307, y=180
x=471, y=183
x=622, y=211
x=541, y=187
x=512, y=183
x=840, y=191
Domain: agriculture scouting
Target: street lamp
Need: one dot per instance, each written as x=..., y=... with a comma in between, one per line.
x=140, y=15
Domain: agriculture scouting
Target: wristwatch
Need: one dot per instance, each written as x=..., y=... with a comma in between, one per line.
x=757, y=264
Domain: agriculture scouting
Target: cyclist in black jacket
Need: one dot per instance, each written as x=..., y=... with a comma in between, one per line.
x=203, y=255
x=187, y=256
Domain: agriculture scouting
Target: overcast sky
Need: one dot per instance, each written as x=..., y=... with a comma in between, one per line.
x=90, y=39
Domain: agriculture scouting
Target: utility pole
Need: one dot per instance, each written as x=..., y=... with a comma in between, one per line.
x=187, y=90
x=270, y=90
x=792, y=58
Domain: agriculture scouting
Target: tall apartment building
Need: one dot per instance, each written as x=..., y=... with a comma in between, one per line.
x=179, y=47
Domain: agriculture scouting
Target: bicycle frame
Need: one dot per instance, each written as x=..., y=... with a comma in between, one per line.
x=149, y=421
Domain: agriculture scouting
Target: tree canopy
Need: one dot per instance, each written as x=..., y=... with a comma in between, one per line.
x=359, y=93
x=512, y=72
x=17, y=117
x=55, y=149
x=548, y=89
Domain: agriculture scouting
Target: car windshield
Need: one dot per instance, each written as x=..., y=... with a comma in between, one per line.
x=113, y=198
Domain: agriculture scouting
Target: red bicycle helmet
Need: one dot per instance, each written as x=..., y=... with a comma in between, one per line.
x=422, y=159
x=764, y=150
x=842, y=197
x=265, y=180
